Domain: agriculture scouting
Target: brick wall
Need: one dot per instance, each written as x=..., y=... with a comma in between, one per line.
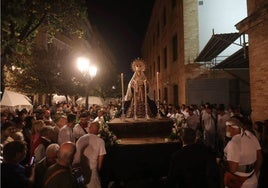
x=190, y=44
x=256, y=26
x=258, y=58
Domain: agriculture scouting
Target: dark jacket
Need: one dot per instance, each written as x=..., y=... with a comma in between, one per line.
x=62, y=179
x=193, y=166
x=13, y=176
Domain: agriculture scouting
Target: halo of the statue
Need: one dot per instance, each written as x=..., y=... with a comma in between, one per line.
x=138, y=62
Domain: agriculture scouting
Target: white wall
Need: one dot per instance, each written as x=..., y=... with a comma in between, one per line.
x=222, y=16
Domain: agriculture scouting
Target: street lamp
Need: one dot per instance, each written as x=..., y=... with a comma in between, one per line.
x=92, y=71
x=87, y=70
x=83, y=64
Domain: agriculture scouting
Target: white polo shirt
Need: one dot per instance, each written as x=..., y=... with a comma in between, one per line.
x=243, y=150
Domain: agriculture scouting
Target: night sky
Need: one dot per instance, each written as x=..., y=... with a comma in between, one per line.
x=123, y=24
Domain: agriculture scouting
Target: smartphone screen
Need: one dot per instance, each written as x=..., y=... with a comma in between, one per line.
x=80, y=179
x=32, y=160
x=78, y=175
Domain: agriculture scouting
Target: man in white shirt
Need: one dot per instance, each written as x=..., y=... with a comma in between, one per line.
x=92, y=148
x=222, y=117
x=209, y=127
x=66, y=132
x=193, y=121
x=81, y=128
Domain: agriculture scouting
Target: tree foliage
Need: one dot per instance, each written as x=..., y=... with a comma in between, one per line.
x=50, y=72
x=111, y=87
x=53, y=71
x=22, y=20
x=36, y=70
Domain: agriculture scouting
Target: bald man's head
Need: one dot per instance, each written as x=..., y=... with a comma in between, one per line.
x=66, y=153
x=51, y=153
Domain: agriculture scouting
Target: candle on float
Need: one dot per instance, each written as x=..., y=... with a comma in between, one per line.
x=145, y=99
x=157, y=85
x=145, y=91
x=122, y=85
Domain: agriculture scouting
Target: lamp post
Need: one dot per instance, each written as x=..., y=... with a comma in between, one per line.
x=88, y=71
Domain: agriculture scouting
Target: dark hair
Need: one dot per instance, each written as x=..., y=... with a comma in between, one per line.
x=209, y=106
x=4, y=114
x=71, y=117
x=17, y=120
x=6, y=125
x=188, y=136
x=28, y=122
x=259, y=126
x=46, y=131
x=12, y=148
x=221, y=107
x=23, y=111
x=83, y=115
x=245, y=122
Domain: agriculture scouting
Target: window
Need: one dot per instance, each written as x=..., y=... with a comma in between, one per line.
x=166, y=94
x=159, y=94
x=150, y=72
x=165, y=57
x=158, y=29
x=164, y=17
x=154, y=69
x=175, y=47
x=175, y=95
x=200, y=3
x=173, y=3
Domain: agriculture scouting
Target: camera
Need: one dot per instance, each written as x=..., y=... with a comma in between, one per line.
x=77, y=173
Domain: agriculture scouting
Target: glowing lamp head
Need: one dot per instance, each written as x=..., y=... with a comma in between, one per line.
x=83, y=64
x=92, y=71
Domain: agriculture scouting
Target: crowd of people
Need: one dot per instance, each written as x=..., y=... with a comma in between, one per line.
x=52, y=147
x=61, y=146
x=220, y=148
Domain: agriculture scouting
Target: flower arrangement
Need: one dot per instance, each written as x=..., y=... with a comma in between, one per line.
x=179, y=124
x=108, y=136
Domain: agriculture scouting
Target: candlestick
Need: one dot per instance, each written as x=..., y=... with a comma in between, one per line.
x=158, y=98
x=122, y=84
x=145, y=99
x=135, y=103
x=157, y=85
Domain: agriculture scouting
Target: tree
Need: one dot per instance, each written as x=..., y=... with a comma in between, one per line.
x=50, y=71
x=22, y=20
x=111, y=87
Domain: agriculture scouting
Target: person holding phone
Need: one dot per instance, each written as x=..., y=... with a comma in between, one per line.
x=32, y=161
x=13, y=174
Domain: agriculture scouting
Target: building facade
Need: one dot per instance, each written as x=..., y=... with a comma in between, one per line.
x=256, y=26
x=172, y=43
x=170, y=46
